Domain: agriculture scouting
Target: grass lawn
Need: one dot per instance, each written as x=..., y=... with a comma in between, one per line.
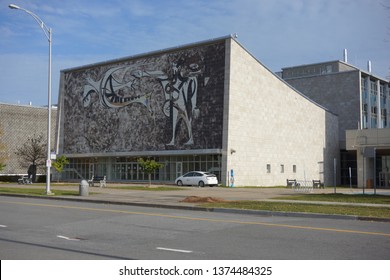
x=339, y=197
x=362, y=211
x=38, y=192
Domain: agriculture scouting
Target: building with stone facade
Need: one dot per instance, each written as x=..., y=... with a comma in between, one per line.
x=208, y=106
x=362, y=102
x=17, y=124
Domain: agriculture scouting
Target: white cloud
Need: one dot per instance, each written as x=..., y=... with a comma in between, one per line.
x=279, y=33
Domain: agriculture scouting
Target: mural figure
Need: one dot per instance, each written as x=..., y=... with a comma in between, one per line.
x=181, y=96
x=180, y=90
x=114, y=91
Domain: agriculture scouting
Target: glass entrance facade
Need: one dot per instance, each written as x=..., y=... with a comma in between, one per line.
x=127, y=169
x=382, y=171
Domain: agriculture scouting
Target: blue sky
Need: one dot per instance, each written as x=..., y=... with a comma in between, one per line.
x=280, y=33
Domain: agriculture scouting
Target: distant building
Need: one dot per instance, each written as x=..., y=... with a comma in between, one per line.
x=360, y=99
x=17, y=123
x=208, y=106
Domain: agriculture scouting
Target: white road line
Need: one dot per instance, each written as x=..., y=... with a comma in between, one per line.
x=214, y=220
x=68, y=238
x=3, y=226
x=173, y=250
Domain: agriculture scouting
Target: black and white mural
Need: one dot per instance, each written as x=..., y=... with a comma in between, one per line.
x=167, y=101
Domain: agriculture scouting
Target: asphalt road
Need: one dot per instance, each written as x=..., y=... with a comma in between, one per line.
x=50, y=229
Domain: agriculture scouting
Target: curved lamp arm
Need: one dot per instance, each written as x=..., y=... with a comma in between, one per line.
x=46, y=30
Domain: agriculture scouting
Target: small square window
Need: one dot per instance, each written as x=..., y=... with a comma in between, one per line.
x=268, y=168
x=294, y=168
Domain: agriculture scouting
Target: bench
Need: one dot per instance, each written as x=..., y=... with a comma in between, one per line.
x=97, y=179
x=317, y=184
x=292, y=183
x=24, y=180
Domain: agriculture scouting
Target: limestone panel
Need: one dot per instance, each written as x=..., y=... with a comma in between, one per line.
x=272, y=124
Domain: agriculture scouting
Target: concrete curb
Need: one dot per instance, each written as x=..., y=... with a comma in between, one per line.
x=204, y=209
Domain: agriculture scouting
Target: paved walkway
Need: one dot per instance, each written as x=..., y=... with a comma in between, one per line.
x=174, y=198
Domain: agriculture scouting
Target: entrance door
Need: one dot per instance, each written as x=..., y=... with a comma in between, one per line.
x=123, y=171
x=129, y=171
x=135, y=168
x=91, y=170
x=179, y=169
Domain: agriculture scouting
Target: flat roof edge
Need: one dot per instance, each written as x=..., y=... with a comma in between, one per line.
x=111, y=61
x=339, y=61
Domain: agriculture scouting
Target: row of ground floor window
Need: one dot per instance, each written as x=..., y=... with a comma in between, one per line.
x=121, y=169
x=124, y=169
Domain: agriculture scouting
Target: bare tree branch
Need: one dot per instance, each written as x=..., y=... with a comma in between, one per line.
x=33, y=151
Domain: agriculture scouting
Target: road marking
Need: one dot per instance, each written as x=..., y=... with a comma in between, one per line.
x=4, y=226
x=173, y=250
x=200, y=219
x=68, y=238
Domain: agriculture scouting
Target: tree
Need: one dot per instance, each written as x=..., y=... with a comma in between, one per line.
x=59, y=164
x=149, y=166
x=32, y=153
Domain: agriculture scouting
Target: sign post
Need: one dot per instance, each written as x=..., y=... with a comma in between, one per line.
x=231, y=178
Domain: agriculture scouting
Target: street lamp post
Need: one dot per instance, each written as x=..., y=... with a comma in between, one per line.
x=47, y=31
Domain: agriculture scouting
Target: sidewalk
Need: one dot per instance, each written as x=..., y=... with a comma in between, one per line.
x=173, y=199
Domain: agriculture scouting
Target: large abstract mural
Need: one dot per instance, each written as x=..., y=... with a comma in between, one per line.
x=166, y=101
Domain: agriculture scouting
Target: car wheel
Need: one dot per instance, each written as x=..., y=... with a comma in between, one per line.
x=179, y=183
x=201, y=184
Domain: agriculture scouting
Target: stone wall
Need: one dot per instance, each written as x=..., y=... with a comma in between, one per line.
x=18, y=122
x=273, y=133
x=337, y=92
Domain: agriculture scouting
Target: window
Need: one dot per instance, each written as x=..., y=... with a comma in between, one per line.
x=282, y=168
x=268, y=168
x=294, y=168
x=326, y=69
